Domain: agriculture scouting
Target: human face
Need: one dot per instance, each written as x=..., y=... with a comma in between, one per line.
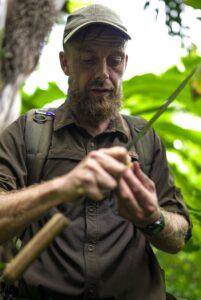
x=95, y=68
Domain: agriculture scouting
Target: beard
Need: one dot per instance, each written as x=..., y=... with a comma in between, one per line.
x=92, y=110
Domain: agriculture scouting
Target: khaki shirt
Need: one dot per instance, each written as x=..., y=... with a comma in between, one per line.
x=100, y=255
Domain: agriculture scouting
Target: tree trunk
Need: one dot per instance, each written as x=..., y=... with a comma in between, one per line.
x=20, y=47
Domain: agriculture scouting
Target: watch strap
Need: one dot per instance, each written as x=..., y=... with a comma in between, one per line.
x=155, y=227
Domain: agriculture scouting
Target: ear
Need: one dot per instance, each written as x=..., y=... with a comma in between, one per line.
x=64, y=62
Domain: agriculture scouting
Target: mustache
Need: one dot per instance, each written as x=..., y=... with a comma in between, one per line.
x=97, y=83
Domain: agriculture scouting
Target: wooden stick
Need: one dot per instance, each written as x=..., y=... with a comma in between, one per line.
x=16, y=267
x=161, y=110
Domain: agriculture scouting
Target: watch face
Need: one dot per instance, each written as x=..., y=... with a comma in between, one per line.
x=155, y=227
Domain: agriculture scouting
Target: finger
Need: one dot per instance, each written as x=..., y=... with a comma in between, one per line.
x=146, y=200
x=143, y=208
x=118, y=153
x=108, y=163
x=144, y=179
x=126, y=197
x=101, y=177
x=88, y=184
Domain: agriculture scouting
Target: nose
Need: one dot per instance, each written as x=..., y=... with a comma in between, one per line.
x=102, y=70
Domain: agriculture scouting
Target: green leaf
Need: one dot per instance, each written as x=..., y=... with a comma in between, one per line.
x=41, y=97
x=73, y=5
x=191, y=246
x=193, y=3
x=161, y=109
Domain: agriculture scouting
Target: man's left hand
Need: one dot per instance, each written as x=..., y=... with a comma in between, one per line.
x=137, y=198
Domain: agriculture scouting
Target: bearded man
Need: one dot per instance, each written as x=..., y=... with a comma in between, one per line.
x=116, y=212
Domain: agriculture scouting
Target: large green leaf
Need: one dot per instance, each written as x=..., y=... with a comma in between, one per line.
x=151, y=90
x=41, y=97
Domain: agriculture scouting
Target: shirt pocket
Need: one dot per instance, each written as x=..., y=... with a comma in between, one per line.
x=61, y=161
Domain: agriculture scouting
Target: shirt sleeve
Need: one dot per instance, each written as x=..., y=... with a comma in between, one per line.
x=13, y=171
x=170, y=197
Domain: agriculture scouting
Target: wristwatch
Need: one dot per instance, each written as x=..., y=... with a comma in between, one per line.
x=155, y=227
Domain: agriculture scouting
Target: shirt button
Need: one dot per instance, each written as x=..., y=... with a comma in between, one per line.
x=91, y=248
x=91, y=209
x=91, y=290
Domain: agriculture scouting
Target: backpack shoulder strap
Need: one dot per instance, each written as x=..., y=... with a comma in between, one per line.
x=38, y=132
x=145, y=146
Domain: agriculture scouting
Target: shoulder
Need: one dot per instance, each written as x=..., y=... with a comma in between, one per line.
x=135, y=120
x=15, y=130
x=136, y=125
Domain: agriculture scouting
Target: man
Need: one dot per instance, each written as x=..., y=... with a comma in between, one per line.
x=115, y=211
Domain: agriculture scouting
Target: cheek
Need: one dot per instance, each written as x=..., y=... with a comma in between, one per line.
x=79, y=81
x=83, y=81
x=82, y=75
x=116, y=79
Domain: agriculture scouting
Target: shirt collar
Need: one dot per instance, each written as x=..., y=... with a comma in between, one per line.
x=64, y=118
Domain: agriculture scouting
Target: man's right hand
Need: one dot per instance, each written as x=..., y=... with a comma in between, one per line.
x=100, y=170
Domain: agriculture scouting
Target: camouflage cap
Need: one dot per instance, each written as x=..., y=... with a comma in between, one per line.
x=93, y=14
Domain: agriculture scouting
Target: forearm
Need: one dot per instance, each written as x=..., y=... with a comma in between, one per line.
x=138, y=202
x=19, y=208
x=97, y=172
x=172, y=238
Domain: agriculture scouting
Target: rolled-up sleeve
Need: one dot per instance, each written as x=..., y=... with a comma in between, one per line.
x=170, y=197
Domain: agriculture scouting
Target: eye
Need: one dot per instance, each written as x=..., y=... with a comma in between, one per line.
x=115, y=60
x=88, y=60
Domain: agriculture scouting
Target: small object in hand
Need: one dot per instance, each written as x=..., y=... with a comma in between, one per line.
x=129, y=163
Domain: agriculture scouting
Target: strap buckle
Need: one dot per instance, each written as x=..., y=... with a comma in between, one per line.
x=42, y=115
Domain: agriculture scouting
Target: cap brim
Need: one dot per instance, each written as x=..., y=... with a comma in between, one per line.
x=123, y=32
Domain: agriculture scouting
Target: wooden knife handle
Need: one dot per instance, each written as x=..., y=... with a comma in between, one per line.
x=33, y=249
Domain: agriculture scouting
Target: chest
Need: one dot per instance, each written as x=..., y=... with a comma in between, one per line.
x=70, y=145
